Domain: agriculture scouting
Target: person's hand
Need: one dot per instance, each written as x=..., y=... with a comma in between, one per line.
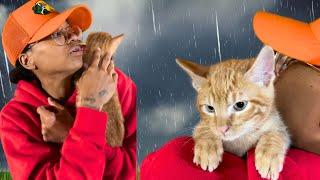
x=98, y=83
x=56, y=122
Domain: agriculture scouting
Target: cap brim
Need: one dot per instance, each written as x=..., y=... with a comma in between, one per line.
x=287, y=36
x=78, y=15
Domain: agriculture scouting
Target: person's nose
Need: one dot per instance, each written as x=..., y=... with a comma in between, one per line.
x=74, y=38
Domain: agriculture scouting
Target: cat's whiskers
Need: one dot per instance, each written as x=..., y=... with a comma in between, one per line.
x=187, y=142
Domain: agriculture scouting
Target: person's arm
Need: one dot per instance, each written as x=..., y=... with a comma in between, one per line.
x=81, y=155
x=122, y=161
x=297, y=99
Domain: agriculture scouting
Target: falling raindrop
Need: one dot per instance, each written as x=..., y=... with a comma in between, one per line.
x=159, y=29
x=153, y=20
x=2, y=87
x=312, y=11
x=218, y=36
x=194, y=36
x=7, y=68
x=244, y=6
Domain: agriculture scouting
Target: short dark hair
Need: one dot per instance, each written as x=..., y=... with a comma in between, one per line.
x=21, y=73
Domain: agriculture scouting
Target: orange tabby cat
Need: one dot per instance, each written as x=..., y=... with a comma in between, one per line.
x=115, y=126
x=237, y=111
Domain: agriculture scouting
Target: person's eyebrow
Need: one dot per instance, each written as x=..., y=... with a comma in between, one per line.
x=63, y=28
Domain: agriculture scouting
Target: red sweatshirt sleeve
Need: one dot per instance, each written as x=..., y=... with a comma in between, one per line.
x=81, y=157
x=121, y=164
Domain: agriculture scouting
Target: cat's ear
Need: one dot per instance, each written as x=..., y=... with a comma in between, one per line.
x=262, y=71
x=197, y=72
x=115, y=42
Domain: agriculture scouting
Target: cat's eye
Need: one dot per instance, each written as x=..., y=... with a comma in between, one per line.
x=208, y=109
x=241, y=105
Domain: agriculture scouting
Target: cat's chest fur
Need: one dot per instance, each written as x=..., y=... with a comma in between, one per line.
x=244, y=143
x=241, y=145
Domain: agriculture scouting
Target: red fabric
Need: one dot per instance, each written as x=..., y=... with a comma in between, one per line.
x=83, y=155
x=174, y=161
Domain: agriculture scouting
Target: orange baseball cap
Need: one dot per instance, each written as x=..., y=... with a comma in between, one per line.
x=288, y=36
x=35, y=20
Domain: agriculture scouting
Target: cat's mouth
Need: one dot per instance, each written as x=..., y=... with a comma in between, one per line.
x=226, y=132
x=229, y=136
x=233, y=132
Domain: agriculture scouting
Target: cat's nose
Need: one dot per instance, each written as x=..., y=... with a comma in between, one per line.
x=223, y=129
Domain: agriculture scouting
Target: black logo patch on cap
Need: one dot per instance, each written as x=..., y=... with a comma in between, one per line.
x=43, y=8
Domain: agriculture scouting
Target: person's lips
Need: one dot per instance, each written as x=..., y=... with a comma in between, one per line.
x=77, y=50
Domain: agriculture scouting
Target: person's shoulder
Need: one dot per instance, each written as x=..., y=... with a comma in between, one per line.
x=12, y=107
x=21, y=109
x=24, y=100
x=12, y=113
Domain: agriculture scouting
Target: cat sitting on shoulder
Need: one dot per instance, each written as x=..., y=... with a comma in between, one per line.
x=237, y=109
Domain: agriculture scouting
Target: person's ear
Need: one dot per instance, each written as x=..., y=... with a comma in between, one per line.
x=27, y=62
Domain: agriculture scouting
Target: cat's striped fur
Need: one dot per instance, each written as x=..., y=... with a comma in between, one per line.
x=223, y=88
x=115, y=127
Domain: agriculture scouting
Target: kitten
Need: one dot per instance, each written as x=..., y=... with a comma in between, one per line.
x=115, y=126
x=237, y=112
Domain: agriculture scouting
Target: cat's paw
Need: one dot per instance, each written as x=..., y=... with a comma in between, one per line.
x=208, y=154
x=269, y=163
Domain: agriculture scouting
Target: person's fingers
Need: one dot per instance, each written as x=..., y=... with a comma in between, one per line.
x=55, y=104
x=50, y=119
x=106, y=61
x=45, y=138
x=110, y=69
x=47, y=118
x=42, y=111
x=115, y=77
x=39, y=109
x=44, y=132
x=96, y=58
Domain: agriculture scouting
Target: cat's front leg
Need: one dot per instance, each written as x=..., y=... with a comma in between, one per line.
x=208, y=149
x=270, y=154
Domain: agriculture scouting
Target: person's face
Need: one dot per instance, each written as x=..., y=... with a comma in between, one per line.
x=49, y=57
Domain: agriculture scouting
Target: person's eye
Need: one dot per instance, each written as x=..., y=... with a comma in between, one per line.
x=56, y=34
x=240, y=106
x=208, y=109
x=59, y=37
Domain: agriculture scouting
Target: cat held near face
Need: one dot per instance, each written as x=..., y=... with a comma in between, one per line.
x=236, y=103
x=108, y=45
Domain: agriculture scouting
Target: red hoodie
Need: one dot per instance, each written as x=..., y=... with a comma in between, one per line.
x=84, y=153
x=174, y=161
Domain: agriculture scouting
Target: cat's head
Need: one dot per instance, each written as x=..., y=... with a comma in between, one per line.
x=234, y=96
x=104, y=41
